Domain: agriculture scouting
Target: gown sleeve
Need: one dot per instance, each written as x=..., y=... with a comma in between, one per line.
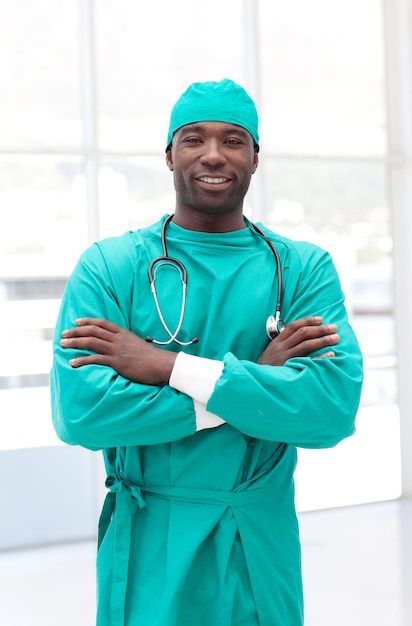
x=93, y=406
x=307, y=402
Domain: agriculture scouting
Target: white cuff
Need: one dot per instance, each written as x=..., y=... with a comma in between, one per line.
x=205, y=419
x=196, y=377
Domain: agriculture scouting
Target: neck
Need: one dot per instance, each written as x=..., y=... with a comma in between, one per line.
x=209, y=222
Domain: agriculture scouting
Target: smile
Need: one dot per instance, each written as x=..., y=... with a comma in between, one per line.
x=213, y=180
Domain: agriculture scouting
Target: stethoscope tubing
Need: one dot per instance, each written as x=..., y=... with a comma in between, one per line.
x=279, y=273
x=274, y=324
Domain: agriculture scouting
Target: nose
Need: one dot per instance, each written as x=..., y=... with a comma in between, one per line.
x=212, y=153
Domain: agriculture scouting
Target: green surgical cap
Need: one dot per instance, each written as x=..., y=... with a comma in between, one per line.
x=223, y=101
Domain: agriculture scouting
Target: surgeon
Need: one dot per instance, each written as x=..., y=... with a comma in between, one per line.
x=198, y=354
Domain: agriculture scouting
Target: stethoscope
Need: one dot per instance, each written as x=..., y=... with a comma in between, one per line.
x=274, y=323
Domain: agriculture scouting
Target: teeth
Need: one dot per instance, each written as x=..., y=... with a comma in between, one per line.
x=213, y=181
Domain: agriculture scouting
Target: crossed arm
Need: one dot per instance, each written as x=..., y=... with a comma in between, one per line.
x=142, y=362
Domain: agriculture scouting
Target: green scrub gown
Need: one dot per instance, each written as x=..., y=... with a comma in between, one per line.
x=200, y=528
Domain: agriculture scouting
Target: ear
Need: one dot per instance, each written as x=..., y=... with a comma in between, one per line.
x=169, y=160
x=255, y=162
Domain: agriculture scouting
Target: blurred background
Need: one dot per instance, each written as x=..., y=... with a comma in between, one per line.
x=86, y=88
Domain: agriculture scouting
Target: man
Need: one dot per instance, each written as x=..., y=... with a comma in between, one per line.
x=198, y=412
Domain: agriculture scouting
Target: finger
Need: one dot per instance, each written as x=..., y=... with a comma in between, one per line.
x=90, y=330
x=309, y=346
x=323, y=341
x=288, y=337
x=96, y=344
x=295, y=325
x=97, y=322
x=330, y=340
x=92, y=359
x=325, y=355
x=304, y=334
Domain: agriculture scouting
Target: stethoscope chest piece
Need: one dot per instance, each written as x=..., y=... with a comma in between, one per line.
x=274, y=326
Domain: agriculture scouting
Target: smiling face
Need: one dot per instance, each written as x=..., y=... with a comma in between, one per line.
x=212, y=164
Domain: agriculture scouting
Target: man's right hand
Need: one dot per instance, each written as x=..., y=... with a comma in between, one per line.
x=118, y=348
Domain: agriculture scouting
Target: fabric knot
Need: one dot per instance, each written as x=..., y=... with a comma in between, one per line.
x=136, y=493
x=116, y=485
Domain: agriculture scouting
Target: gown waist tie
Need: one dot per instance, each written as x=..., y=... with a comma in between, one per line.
x=119, y=500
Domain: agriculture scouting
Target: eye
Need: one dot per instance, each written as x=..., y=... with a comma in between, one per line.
x=192, y=140
x=233, y=141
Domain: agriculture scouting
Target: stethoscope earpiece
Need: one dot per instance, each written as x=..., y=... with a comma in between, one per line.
x=274, y=324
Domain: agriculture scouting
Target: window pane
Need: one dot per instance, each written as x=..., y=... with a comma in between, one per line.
x=42, y=230
x=330, y=201
x=43, y=217
x=141, y=189
x=39, y=82
x=363, y=468
x=25, y=418
x=322, y=68
x=148, y=54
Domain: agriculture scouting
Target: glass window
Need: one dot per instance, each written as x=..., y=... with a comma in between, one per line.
x=39, y=70
x=363, y=468
x=141, y=189
x=43, y=229
x=148, y=55
x=322, y=82
x=43, y=223
x=43, y=216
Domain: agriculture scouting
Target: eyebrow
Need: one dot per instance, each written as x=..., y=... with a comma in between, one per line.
x=198, y=127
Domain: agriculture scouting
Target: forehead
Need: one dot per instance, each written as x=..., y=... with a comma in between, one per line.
x=214, y=128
